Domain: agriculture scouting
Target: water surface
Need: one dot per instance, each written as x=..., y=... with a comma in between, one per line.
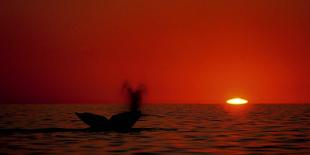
x=167, y=129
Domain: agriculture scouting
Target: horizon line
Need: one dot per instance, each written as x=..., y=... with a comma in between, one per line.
x=152, y=103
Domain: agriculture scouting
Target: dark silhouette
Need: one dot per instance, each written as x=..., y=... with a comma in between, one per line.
x=135, y=96
x=122, y=121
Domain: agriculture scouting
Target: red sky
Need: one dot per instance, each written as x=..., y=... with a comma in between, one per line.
x=185, y=51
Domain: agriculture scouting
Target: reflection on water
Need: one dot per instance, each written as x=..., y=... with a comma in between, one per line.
x=178, y=129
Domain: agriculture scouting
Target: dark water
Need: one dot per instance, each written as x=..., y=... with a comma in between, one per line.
x=168, y=129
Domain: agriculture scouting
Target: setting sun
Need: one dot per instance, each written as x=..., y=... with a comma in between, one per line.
x=237, y=101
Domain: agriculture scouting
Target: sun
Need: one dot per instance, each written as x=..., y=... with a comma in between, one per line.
x=237, y=101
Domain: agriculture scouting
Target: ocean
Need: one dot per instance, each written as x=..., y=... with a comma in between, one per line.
x=165, y=129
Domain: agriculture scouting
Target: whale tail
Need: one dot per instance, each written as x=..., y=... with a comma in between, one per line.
x=93, y=120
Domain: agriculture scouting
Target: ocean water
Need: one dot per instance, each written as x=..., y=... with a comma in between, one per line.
x=166, y=129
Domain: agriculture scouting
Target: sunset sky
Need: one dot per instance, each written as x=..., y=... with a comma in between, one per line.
x=184, y=51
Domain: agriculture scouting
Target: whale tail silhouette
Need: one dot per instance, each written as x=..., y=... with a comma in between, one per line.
x=93, y=120
x=124, y=121
x=119, y=122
